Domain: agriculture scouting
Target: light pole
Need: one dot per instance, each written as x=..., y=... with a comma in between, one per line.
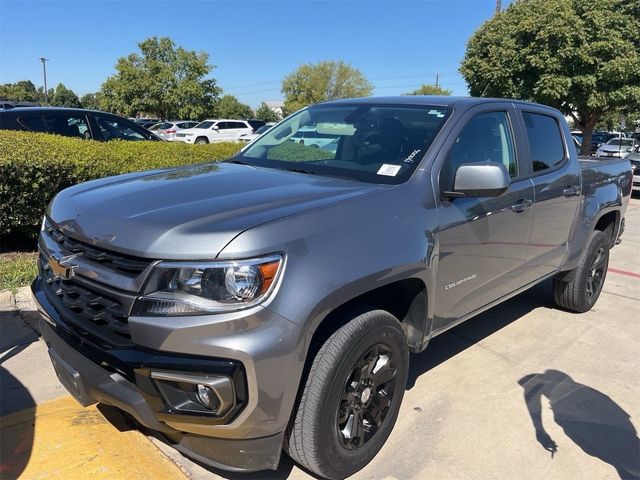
x=498, y=6
x=44, y=73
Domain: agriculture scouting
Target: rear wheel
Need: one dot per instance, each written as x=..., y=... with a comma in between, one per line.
x=579, y=289
x=201, y=140
x=351, y=397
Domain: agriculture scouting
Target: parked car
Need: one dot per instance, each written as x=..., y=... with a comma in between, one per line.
x=634, y=158
x=256, y=124
x=311, y=137
x=617, y=147
x=272, y=300
x=249, y=137
x=73, y=122
x=598, y=139
x=167, y=130
x=211, y=131
x=147, y=120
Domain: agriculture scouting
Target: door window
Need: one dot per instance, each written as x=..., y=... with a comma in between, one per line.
x=545, y=141
x=115, y=128
x=486, y=137
x=69, y=125
x=33, y=123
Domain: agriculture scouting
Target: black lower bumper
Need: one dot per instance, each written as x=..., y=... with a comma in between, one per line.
x=93, y=376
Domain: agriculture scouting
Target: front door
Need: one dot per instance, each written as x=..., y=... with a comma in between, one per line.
x=482, y=241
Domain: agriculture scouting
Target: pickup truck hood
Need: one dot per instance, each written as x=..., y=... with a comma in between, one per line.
x=615, y=149
x=192, y=212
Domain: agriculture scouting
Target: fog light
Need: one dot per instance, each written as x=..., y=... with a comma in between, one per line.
x=207, y=397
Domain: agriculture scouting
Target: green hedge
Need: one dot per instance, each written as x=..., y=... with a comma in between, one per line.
x=35, y=166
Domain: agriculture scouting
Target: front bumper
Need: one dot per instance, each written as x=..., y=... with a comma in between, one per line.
x=249, y=441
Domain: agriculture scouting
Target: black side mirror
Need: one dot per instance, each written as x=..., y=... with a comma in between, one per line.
x=487, y=179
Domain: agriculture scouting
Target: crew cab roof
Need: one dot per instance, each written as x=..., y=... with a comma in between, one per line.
x=428, y=100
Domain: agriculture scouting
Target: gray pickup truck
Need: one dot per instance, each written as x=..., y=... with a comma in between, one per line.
x=271, y=301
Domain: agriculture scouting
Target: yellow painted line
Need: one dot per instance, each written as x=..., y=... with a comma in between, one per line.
x=62, y=440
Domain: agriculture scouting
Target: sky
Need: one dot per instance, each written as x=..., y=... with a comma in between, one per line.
x=398, y=45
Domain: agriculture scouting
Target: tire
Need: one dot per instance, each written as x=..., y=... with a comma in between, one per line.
x=579, y=289
x=201, y=141
x=339, y=396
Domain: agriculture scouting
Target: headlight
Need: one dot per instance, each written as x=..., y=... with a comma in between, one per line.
x=192, y=288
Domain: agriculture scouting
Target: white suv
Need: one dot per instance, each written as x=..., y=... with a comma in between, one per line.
x=210, y=131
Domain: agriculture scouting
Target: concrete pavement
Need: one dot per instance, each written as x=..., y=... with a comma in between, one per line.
x=465, y=413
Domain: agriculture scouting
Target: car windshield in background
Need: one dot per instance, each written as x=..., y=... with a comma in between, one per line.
x=204, y=125
x=262, y=129
x=621, y=143
x=371, y=143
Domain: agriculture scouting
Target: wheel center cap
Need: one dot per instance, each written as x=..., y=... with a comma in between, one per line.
x=365, y=395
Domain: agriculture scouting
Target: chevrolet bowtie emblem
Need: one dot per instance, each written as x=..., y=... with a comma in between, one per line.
x=61, y=268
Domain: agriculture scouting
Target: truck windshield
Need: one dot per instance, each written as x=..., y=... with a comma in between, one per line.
x=371, y=143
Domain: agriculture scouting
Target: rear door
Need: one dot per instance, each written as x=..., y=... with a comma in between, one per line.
x=482, y=240
x=555, y=173
x=68, y=124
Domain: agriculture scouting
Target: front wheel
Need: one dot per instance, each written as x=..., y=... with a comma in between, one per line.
x=351, y=397
x=579, y=289
x=201, y=141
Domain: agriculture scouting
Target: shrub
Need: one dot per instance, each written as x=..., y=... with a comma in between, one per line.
x=35, y=166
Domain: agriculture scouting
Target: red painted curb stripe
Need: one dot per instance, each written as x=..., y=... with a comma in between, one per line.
x=624, y=272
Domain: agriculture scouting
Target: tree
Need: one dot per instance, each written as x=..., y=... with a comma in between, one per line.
x=428, y=89
x=580, y=57
x=91, y=101
x=64, y=97
x=22, y=91
x=162, y=80
x=329, y=80
x=265, y=113
x=230, y=107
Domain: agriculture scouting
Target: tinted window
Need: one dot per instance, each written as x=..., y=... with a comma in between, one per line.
x=161, y=126
x=486, y=137
x=545, y=141
x=119, y=128
x=239, y=125
x=204, y=125
x=69, y=125
x=186, y=124
x=33, y=123
x=224, y=125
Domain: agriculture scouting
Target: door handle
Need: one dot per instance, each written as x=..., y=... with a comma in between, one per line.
x=521, y=205
x=571, y=191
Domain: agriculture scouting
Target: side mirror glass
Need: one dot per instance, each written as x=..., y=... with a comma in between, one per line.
x=487, y=179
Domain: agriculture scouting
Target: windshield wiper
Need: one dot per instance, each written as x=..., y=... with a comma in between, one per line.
x=301, y=170
x=239, y=162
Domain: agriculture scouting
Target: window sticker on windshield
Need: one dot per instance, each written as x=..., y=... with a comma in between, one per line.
x=389, y=170
x=411, y=157
x=437, y=113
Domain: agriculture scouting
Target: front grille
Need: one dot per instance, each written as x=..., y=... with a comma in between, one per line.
x=89, y=311
x=93, y=310
x=116, y=261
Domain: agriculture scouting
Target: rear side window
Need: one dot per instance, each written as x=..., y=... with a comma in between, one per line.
x=545, y=141
x=113, y=128
x=68, y=125
x=33, y=123
x=486, y=137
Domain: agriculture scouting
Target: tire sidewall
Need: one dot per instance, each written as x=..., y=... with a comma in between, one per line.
x=335, y=455
x=597, y=240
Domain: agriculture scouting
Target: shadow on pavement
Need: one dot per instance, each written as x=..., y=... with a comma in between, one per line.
x=467, y=334
x=17, y=407
x=588, y=417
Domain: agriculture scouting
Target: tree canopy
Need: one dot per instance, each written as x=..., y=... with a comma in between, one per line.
x=230, y=107
x=90, y=101
x=64, y=97
x=23, y=91
x=580, y=57
x=328, y=80
x=163, y=80
x=429, y=89
x=266, y=114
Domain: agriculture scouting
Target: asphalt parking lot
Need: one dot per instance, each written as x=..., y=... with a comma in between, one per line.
x=522, y=391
